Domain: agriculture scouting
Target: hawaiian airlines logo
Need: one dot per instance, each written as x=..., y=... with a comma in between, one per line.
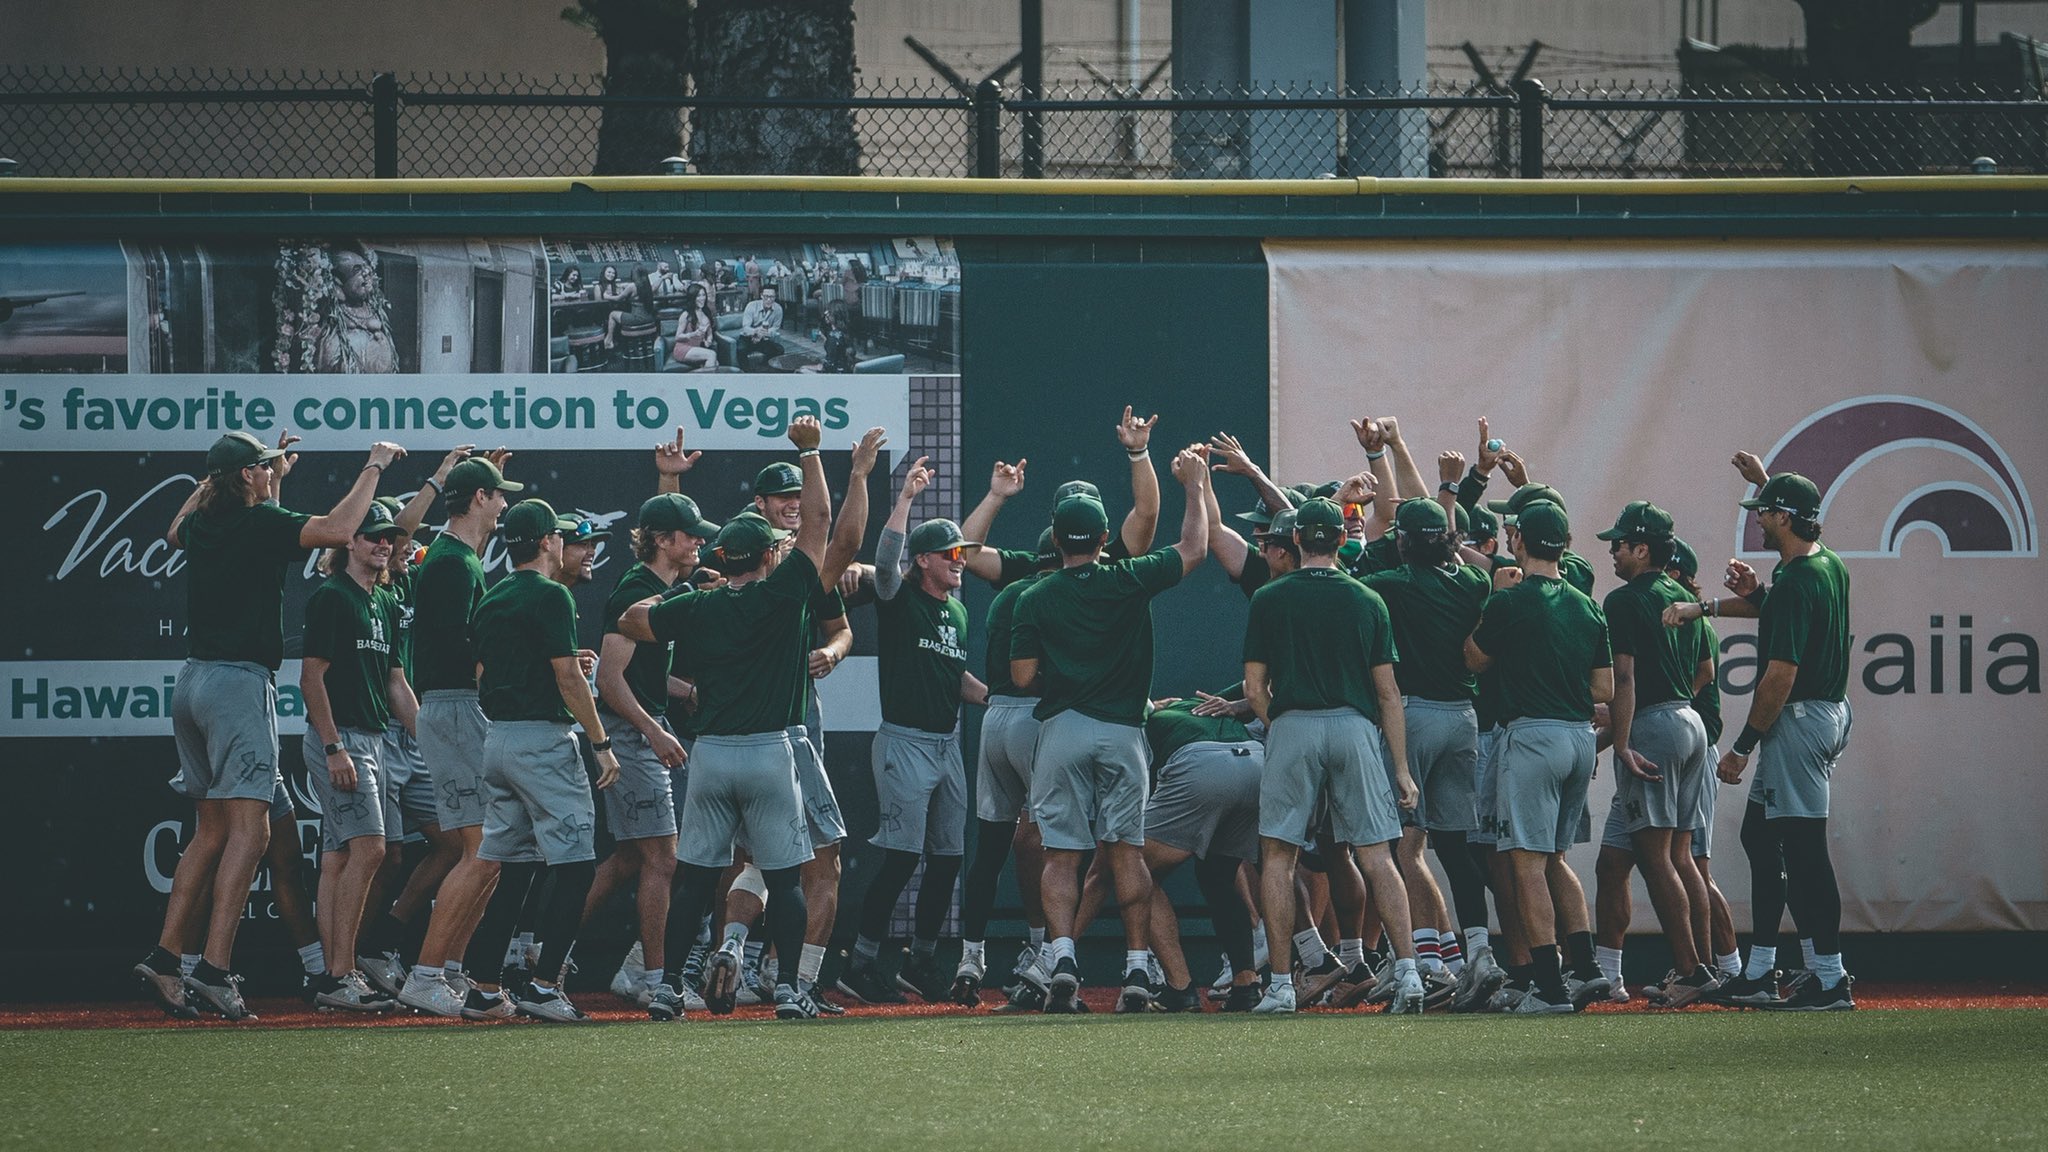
x=1987, y=515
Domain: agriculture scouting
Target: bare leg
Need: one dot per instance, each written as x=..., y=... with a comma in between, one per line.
x=1277, y=901
x=1533, y=897
x=1667, y=894
x=1061, y=891
x=287, y=863
x=820, y=880
x=1426, y=904
x=1567, y=898
x=1095, y=889
x=464, y=893
x=622, y=865
x=1348, y=900
x=1695, y=885
x=443, y=850
x=1133, y=891
x=248, y=824
x=1164, y=932
x=1722, y=932
x=192, y=882
x=359, y=864
x=1389, y=892
x=657, y=877
x=1507, y=904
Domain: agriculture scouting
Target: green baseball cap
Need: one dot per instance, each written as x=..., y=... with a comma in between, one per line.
x=1420, y=514
x=778, y=479
x=1483, y=524
x=1522, y=496
x=1462, y=518
x=477, y=474
x=1327, y=490
x=1319, y=521
x=1640, y=521
x=742, y=541
x=1079, y=520
x=1048, y=552
x=1684, y=560
x=675, y=512
x=1282, y=527
x=528, y=521
x=1786, y=492
x=379, y=521
x=775, y=534
x=1260, y=516
x=1076, y=488
x=937, y=535
x=578, y=530
x=236, y=451
x=1544, y=523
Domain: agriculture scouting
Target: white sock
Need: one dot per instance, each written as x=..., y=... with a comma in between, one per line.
x=1404, y=967
x=1806, y=951
x=1828, y=969
x=426, y=972
x=1729, y=965
x=1260, y=953
x=1061, y=949
x=1446, y=942
x=1761, y=961
x=314, y=958
x=1308, y=944
x=1475, y=939
x=187, y=961
x=1350, y=953
x=452, y=967
x=1283, y=980
x=752, y=949
x=808, y=963
x=1037, y=938
x=972, y=950
x=1427, y=958
x=1137, y=960
x=1609, y=960
x=653, y=977
x=770, y=968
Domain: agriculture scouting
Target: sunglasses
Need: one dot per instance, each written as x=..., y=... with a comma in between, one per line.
x=1354, y=511
x=583, y=528
x=953, y=553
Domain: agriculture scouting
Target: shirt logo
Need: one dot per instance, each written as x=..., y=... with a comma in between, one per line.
x=949, y=636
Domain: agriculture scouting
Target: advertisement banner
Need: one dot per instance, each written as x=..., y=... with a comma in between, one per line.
x=1901, y=377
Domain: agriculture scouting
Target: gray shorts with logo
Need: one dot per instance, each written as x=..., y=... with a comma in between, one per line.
x=224, y=720
x=408, y=786
x=743, y=788
x=920, y=791
x=452, y=729
x=1088, y=782
x=822, y=818
x=1671, y=737
x=1443, y=756
x=1485, y=789
x=1797, y=759
x=641, y=803
x=1334, y=753
x=344, y=816
x=1542, y=769
x=1703, y=816
x=540, y=807
x=1002, y=769
x=1207, y=799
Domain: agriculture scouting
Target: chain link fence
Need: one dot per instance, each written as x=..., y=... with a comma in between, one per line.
x=187, y=124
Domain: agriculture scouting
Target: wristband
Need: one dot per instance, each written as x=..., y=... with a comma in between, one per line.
x=807, y=452
x=1371, y=455
x=436, y=484
x=1476, y=475
x=604, y=745
x=1450, y=486
x=1756, y=598
x=1714, y=607
x=1140, y=454
x=373, y=464
x=1746, y=743
x=335, y=748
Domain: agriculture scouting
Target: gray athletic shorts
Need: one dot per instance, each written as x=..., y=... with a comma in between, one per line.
x=1485, y=789
x=1443, y=756
x=743, y=788
x=641, y=803
x=1207, y=799
x=1797, y=759
x=452, y=728
x=822, y=819
x=408, y=786
x=1332, y=752
x=920, y=791
x=344, y=816
x=224, y=719
x=1670, y=736
x=1002, y=769
x=1703, y=817
x=540, y=807
x=281, y=802
x=1543, y=767
x=1088, y=780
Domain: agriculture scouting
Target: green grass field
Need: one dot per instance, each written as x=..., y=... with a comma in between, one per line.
x=1916, y=1079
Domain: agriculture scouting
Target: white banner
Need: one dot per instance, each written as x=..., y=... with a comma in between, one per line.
x=434, y=412
x=1903, y=378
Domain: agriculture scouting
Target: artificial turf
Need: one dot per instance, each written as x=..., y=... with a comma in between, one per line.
x=1917, y=1079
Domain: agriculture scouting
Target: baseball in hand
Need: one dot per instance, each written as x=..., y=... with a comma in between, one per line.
x=1495, y=444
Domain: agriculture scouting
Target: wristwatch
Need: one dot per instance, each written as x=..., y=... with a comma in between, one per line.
x=335, y=748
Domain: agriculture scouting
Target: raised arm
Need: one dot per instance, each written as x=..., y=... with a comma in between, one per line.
x=1141, y=524
x=1235, y=460
x=853, y=511
x=1191, y=468
x=670, y=462
x=1226, y=546
x=415, y=511
x=338, y=527
x=1406, y=476
x=1007, y=481
x=1386, y=489
x=634, y=623
x=889, y=550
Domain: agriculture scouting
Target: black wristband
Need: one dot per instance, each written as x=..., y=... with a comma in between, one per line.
x=1756, y=597
x=604, y=745
x=1450, y=486
x=1476, y=474
x=1746, y=743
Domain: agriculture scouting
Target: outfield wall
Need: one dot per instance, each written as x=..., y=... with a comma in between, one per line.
x=1074, y=298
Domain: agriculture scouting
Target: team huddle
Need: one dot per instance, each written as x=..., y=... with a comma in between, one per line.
x=1425, y=673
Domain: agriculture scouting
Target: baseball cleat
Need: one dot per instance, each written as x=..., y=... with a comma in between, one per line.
x=1384, y=982
x=1679, y=991
x=967, y=978
x=431, y=993
x=1278, y=1001
x=1439, y=989
x=548, y=1004
x=168, y=991
x=353, y=993
x=753, y=990
x=1064, y=987
x=1310, y=984
x=722, y=981
x=1743, y=992
x=1533, y=1003
x=482, y=1005
x=1482, y=977
x=630, y=981
x=1410, y=996
x=794, y=1004
x=1809, y=996
x=664, y=1004
x=385, y=972
x=224, y=997
x=1031, y=971
x=1585, y=992
x=1242, y=998
x=1137, y=992
x=921, y=974
x=1171, y=999
x=1220, y=987
x=865, y=982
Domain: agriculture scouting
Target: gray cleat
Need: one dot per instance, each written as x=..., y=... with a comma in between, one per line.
x=224, y=997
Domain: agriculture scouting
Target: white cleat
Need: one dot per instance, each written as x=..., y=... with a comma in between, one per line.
x=1278, y=1001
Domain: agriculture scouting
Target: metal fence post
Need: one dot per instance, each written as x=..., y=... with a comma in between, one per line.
x=1529, y=100
x=384, y=125
x=988, y=129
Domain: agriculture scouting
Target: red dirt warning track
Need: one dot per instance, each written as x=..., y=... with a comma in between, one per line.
x=281, y=1012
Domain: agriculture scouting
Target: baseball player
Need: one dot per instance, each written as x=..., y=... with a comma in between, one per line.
x=452, y=724
x=1712, y=922
x=1798, y=726
x=920, y=778
x=238, y=548
x=749, y=641
x=353, y=689
x=1660, y=745
x=1318, y=664
x=1086, y=629
x=1549, y=643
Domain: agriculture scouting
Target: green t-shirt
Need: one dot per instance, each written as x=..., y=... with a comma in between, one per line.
x=1002, y=617
x=1090, y=629
x=1256, y=575
x=1805, y=620
x=747, y=648
x=920, y=657
x=522, y=625
x=351, y=628
x=446, y=592
x=1381, y=555
x=1708, y=702
x=1320, y=634
x=647, y=671
x=1546, y=638
x=235, y=568
x=1576, y=571
x=400, y=588
x=1174, y=727
x=1433, y=609
x=1665, y=658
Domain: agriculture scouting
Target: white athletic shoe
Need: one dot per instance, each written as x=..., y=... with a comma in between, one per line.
x=1278, y=1001
x=752, y=990
x=548, y=1004
x=1481, y=978
x=354, y=994
x=1533, y=1004
x=1034, y=975
x=630, y=981
x=1620, y=995
x=1220, y=987
x=1385, y=983
x=385, y=972
x=458, y=983
x=431, y=993
x=1408, y=996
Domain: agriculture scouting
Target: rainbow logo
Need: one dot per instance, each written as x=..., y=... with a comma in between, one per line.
x=1994, y=517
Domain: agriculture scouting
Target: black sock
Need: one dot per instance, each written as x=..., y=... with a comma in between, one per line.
x=1520, y=974
x=875, y=907
x=163, y=961
x=1549, y=981
x=1216, y=876
x=207, y=974
x=1766, y=875
x=787, y=917
x=1468, y=886
x=1583, y=965
x=935, y=895
x=1810, y=885
x=485, y=958
x=978, y=899
x=695, y=886
x=561, y=914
